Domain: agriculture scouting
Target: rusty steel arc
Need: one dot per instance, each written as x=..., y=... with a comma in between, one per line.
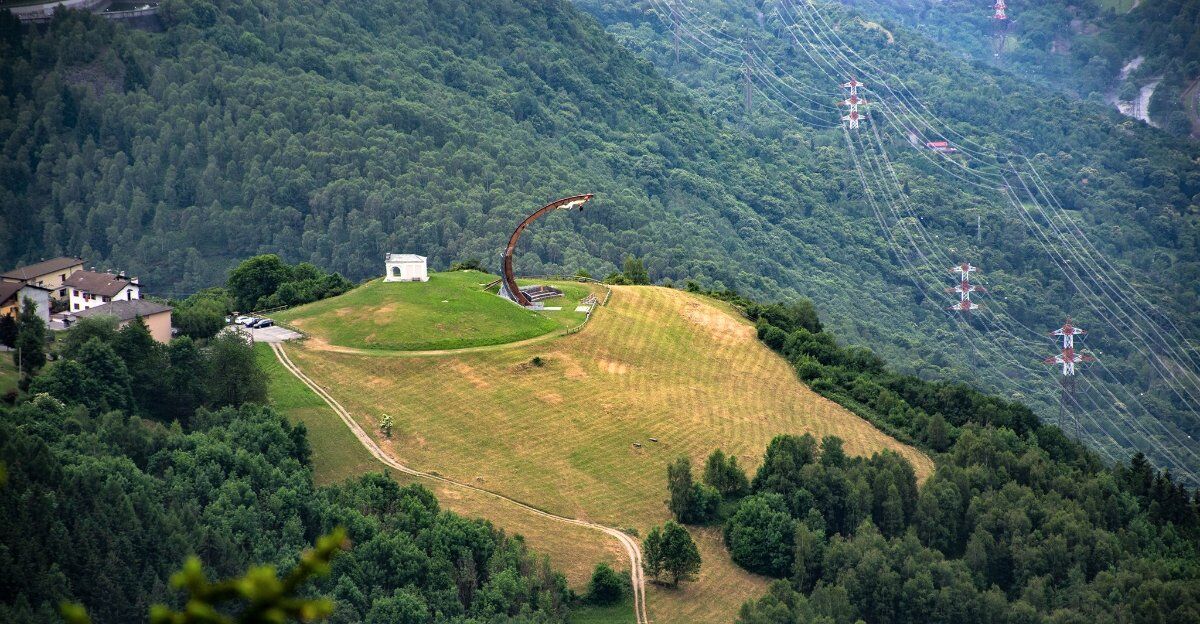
x=509, y=287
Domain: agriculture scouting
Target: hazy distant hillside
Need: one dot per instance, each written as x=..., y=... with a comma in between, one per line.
x=1103, y=49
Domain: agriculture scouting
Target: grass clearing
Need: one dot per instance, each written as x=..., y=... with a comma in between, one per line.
x=450, y=311
x=572, y=436
x=338, y=455
x=719, y=577
x=620, y=613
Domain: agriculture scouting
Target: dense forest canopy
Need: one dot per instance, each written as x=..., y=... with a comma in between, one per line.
x=332, y=133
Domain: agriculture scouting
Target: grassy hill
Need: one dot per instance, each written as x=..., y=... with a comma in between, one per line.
x=335, y=132
x=337, y=456
x=573, y=435
x=450, y=311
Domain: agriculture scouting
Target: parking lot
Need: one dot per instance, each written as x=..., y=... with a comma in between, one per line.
x=274, y=333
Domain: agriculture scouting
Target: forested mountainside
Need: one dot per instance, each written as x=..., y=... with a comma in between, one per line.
x=1078, y=46
x=336, y=132
x=107, y=493
x=1074, y=230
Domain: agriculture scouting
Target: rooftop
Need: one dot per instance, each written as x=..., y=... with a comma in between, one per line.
x=124, y=310
x=42, y=268
x=405, y=258
x=104, y=284
x=8, y=289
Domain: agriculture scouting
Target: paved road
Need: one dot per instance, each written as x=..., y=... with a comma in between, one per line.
x=632, y=549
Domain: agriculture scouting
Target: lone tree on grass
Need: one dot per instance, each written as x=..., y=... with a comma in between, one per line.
x=669, y=549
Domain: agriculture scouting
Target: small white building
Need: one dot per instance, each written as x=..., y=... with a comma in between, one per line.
x=406, y=268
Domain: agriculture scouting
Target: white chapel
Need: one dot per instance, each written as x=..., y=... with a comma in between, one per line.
x=406, y=268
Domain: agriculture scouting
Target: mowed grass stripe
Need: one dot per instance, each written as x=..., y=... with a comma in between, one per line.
x=338, y=456
x=654, y=363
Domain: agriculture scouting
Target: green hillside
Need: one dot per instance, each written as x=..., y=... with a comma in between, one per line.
x=336, y=132
x=881, y=256
x=450, y=311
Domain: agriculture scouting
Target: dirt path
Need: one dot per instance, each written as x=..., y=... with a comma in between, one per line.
x=632, y=549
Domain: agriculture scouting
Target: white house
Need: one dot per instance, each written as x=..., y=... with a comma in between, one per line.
x=89, y=289
x=406, y=268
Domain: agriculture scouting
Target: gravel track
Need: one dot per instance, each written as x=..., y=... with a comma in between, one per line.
x=632, y=549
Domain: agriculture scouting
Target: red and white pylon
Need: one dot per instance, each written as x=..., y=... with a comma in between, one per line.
x=964, y=288
x=1000, y=10
x=1068, y=358
x=1000, y=22
x=853, y=117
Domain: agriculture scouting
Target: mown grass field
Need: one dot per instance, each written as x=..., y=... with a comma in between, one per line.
x=338, y=455
x=573, y=435
x=450, y=311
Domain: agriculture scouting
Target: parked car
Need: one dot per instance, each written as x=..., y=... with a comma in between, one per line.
x=242, y=320
x=251, y=321
x=264, y=323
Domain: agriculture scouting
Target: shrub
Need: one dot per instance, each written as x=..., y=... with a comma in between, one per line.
x=606, y=587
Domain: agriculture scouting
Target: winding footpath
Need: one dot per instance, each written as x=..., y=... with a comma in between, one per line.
x=632, y=549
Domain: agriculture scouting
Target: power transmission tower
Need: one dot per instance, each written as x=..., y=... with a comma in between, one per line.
x=965, y=306
x=853, y=117
x=1000, y=25
x=964, y=288
x=1068, y=359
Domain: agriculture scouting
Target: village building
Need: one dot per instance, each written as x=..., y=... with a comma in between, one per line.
x=88, y=289
x=406, y=268
x=14, y=294
x=49, y=274
x=156, y=315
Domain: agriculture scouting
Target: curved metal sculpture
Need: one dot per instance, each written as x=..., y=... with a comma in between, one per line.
x=508, y=284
